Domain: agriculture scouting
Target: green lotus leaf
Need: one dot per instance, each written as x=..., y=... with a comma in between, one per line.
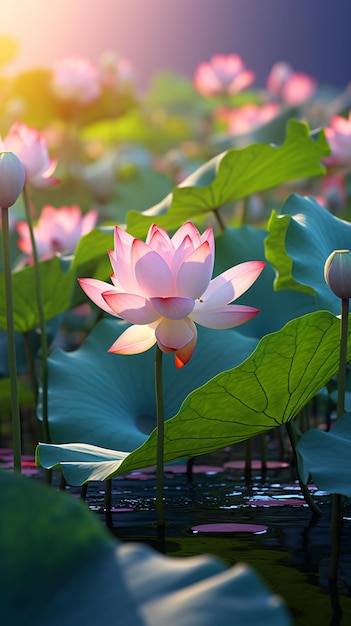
x=56, y=293
x=269, y=388
x=300, y=240
x=59, y=566
x=237, y=245
x=109, y=399
x=325, y=456
x=58, y=278
x=235, y=174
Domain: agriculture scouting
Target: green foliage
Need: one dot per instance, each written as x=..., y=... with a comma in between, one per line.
x=300, y=240
x=59, y=287
x=236, y=174
x=121, y=412
x=268, y=389
x=325, y=456
x=82, y=575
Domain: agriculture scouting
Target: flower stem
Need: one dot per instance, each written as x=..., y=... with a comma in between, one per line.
x=291, y=430
x=220, y=222
x=42, y=326
x=336, y=511
x=15, y=409
x=160, y=439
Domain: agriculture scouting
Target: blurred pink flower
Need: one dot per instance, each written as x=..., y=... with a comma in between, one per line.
x=76, y=79
x=164, y=286
x=31, y=149
x=333, y=193
x=57, y=230
x=338, y=135
x=222, y=75
x=248, y=117
x=114, y=70
x=291, y=87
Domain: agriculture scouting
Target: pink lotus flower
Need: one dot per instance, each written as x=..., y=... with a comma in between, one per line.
x=248, y=117
x=291, y=87
x=222, y=75
x=338, y=135
x=57, y=230
x=76, y=79
x=31, y=149
x=164, y=286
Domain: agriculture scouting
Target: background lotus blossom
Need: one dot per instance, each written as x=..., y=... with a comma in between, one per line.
x=164, y=286
x=57, y=230
x=76, y=79
x=248, y=117
x=31, y=149
x=338, y=135
x=224, y=74
x=290, y=86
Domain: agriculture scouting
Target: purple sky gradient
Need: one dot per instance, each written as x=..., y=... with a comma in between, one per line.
x=176, y=35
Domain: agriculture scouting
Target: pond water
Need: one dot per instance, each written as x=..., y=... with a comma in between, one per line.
x=261, y=520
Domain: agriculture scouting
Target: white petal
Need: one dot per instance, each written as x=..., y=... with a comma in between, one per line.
x=131, y=307
x=224, y=317
x=195, y=272
x=134, y=340
x=174, y=335
x=174, y=308
x=94, y=289
x=183, y=356
x=231, y=284
x=151, y=271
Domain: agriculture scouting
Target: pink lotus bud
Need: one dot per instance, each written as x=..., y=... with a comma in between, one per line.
x=12, y=179
x=337, y=273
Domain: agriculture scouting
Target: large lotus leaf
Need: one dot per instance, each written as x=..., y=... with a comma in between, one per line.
x=59, y=566
x=300, y=241
x=326, y=457
x=237, y=245
x=276, y=381
x=235, y=174
x=109, y=399
x=58, y=280
x=56, y=289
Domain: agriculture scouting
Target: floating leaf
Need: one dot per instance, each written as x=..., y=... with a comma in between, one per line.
x=109, y=399
x=275, y=382
x=326, y=457
x=299, y=242
x=84, y=576
x=235, y=174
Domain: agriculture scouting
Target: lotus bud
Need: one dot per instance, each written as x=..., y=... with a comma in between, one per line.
x=337, y=273
x=12, y=178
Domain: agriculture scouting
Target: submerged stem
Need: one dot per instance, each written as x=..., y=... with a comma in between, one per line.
x=305, y=492
x=336, y=511
x=160, y=438
x=15, y=409
x=42, y=326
